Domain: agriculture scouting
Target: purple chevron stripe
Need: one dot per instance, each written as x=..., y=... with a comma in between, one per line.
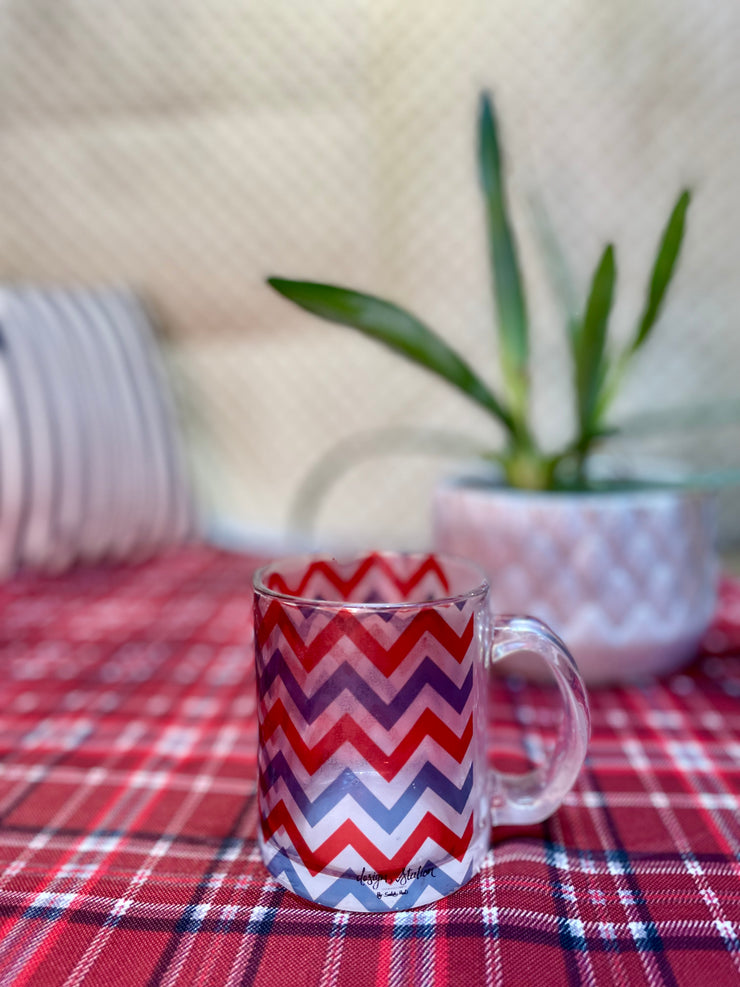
x=347, y=783
x=346, y=678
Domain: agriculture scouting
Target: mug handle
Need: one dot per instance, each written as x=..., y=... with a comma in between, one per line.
x=531, y=797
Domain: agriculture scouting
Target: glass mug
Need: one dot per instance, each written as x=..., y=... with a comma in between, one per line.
x=375, y=791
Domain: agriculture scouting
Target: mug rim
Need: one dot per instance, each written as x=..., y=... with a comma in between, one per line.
x=479, y=588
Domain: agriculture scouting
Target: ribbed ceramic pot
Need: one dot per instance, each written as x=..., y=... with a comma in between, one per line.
x=627, y=579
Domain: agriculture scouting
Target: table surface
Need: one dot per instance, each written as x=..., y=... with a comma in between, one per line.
x=128, y=813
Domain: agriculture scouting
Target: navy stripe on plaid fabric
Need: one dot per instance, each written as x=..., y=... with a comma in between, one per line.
x=128, y=813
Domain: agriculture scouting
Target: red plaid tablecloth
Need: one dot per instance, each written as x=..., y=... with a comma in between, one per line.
x=128, y=813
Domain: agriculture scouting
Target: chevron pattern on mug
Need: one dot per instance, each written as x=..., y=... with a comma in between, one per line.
x=371, y=774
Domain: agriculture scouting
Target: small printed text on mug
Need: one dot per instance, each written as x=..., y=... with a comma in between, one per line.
x=394, y=883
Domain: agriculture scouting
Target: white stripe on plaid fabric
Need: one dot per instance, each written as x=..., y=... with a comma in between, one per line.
x=120, y=821
x=688, y=758
x=606, y=877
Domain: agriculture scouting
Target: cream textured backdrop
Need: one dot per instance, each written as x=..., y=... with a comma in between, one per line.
x=191, y=147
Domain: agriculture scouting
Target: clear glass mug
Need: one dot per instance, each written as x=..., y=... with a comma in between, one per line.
x=375, y=791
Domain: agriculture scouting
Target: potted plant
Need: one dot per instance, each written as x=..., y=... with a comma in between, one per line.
x=623, y=570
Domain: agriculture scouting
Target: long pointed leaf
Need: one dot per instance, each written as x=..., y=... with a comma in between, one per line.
x=395, y=328
x=510, y=303
x=663, y=270
x=664, y=267
x=590, y=348
x=557, y=265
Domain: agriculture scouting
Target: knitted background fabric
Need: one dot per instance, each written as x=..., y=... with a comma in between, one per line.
x=91, y=459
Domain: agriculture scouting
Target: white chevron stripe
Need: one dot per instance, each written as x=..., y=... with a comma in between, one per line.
x=348, y=859
x=347, y=703
x=385, y=687
x=349, y=811
x=386, y=792
x=442, y=862
x=385, y=625
x=375, y=585
x=385, y=631
x=387, y=740
x=345, y=652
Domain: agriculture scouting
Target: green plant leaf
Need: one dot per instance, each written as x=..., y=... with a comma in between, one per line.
x=590, y=344
x=508, y=290
x=662, y=274
x=395, y=328
x=663, y=269
x=556, y=263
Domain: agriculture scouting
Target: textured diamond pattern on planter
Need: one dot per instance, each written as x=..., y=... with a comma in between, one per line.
x=627, y=580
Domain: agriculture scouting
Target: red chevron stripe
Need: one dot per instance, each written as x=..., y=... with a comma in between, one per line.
x=320, y=567
x=348, y=834
x=347, y=731
x=346, y=624
x=345, y=587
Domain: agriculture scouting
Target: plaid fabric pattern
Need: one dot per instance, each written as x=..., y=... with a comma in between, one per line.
x=128, y=813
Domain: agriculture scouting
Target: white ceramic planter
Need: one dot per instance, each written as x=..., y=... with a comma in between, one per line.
x=627, y=579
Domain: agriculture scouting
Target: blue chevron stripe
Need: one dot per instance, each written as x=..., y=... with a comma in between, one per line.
x=347, y=783
x=346, y=678
x=441, y=882
x=282, y=866
x=282, y=869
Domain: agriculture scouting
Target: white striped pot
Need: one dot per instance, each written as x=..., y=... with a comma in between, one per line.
x=627, y=579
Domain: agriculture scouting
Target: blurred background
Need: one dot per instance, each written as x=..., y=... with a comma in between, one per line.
x=190, y=148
